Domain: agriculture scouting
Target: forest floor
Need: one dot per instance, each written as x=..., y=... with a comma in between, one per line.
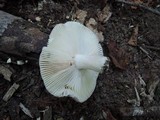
x=130, y=36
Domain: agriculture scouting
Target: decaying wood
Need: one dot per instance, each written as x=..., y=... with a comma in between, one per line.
x=20, y=38
x=5, y=20
x=10, y=92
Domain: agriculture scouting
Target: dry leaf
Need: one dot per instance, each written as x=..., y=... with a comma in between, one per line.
x=92, y=24
x=80, y=15
x=104, y=15
x=133, y=39
x=119, y=57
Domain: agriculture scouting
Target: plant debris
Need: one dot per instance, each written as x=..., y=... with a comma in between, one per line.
x=10, y=92
x=92, y=24
x=6, y=72
x=80, y=16
x=25, y=110
x=133, y=39
x=105, y=14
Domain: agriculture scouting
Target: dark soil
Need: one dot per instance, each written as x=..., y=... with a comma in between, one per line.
x=114, y=87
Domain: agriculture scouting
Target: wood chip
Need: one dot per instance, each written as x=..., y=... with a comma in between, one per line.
x=5, y=72
x=10, y=92
x=25, y=110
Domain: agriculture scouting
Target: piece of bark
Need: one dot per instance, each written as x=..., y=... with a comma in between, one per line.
x=20, y=38
x=5, y=20
x=10, y=92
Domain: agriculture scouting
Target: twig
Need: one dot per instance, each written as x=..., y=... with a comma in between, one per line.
x=152, y=47
x=136, y=102
x=153, y=87
x=141, y=81
x=143, y=50
x=138, y=97
x=140, y=5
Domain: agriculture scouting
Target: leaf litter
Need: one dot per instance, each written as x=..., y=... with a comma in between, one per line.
x=119, y=56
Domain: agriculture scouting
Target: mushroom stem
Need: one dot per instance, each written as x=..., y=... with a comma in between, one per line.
x=95, y=62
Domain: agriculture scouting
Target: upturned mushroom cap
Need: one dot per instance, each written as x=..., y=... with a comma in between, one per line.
x=71, y=62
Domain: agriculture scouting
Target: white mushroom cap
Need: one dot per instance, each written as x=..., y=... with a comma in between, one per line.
x=71, y=62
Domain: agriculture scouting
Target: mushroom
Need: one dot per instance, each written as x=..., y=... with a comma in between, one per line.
x=71, y=61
